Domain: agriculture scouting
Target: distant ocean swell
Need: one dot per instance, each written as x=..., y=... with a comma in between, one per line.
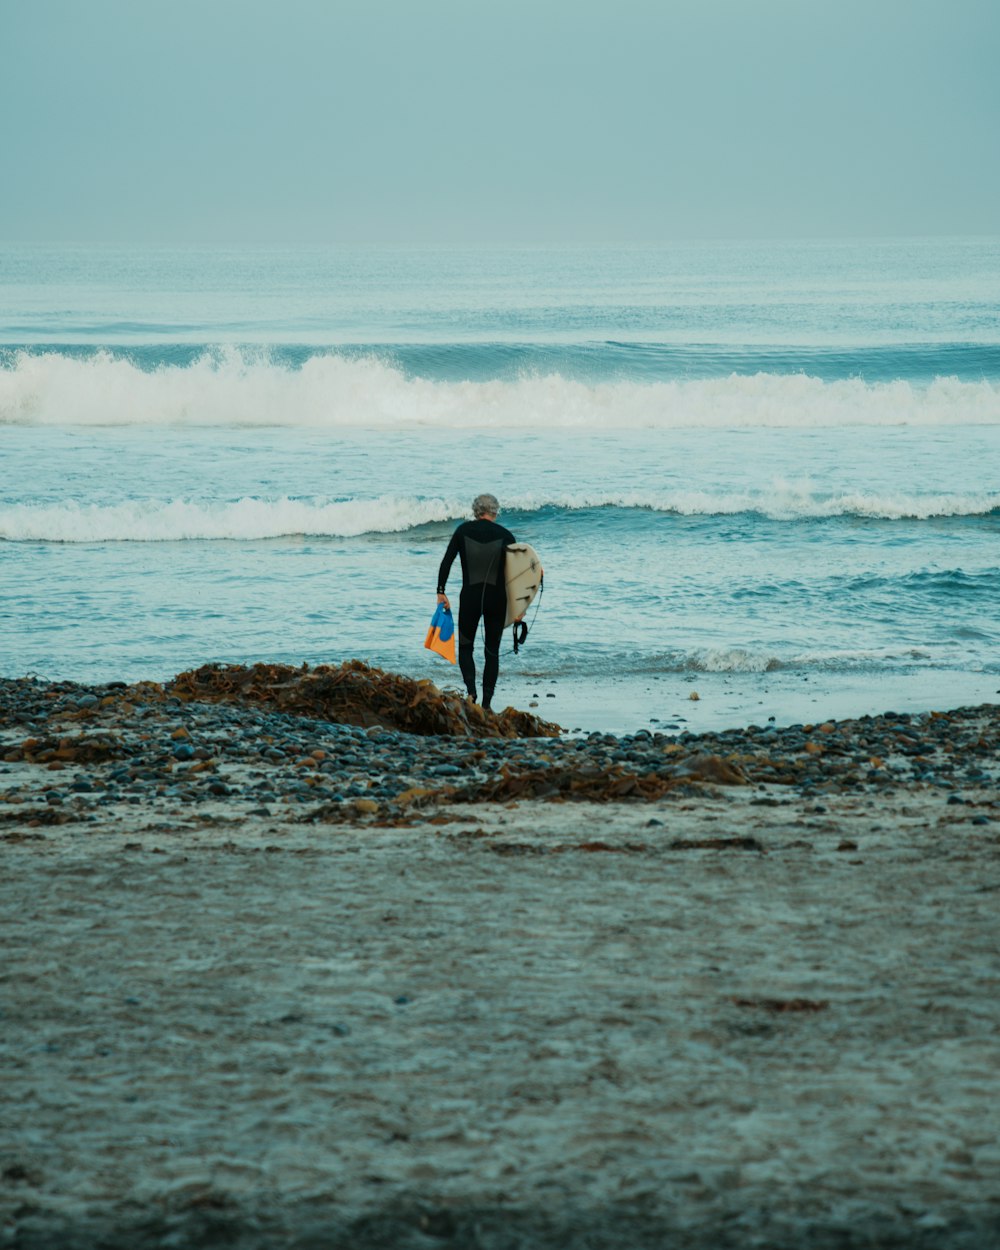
x=233, y=388
x=253, y=519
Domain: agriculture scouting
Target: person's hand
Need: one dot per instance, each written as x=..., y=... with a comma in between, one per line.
x=444, y=599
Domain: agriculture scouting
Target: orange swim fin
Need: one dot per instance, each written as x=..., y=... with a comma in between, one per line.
x=441, y=635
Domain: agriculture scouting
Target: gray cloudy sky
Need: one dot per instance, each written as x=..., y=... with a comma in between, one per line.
x=514, y=121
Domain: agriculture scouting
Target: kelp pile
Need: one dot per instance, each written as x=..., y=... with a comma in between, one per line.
x=560, y=782
x=354, y=693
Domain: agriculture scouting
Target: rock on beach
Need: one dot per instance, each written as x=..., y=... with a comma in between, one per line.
x=252, y=735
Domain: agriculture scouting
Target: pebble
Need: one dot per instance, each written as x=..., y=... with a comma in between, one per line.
x=168, y=752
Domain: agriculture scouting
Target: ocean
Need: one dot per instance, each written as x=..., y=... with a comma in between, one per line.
x=764, y=473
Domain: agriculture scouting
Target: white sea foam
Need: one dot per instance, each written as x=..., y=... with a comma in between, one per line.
x=743, y=660
x=247, y=519
x=730, y=660
x=232, y=388
x=152, y=520
x=784, y=501
x=748, y=660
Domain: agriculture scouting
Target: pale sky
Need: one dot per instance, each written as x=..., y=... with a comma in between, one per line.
x=512, y=122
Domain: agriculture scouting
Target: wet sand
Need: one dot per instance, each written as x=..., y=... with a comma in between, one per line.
x=754, y=1015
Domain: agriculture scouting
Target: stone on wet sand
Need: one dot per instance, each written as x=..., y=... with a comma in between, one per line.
x=156, y=744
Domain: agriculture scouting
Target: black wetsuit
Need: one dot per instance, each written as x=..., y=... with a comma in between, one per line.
x=481, y=546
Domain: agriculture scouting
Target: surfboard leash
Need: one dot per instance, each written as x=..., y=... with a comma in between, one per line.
x=519, y=629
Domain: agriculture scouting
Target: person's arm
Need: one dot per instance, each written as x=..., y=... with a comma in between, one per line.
x=445, y=569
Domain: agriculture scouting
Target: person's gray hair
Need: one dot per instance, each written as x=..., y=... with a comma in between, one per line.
x=485, y=505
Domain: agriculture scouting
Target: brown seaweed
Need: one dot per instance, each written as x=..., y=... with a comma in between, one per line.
x=354, y=693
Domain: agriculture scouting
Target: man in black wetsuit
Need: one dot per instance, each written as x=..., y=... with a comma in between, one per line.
x=481, y=545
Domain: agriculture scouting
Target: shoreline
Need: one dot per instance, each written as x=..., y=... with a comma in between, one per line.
x=734, y=700
x=625, y=702
x=727, y=991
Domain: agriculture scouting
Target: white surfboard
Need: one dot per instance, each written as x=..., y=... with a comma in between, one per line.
x=523, y=573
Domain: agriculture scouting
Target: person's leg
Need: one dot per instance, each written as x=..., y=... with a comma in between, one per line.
x=493, y=619
x=469, y=611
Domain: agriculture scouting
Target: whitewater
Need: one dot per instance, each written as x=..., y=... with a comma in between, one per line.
x=763, y=473
x=330, y=390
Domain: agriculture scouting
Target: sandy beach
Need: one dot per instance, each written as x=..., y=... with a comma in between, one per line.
x=761, y=1013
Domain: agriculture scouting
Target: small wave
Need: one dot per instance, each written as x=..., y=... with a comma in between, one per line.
x=748, y=660
x=229, y=387
x=253, y=519
x=249, y=519
x=949, y=583
x=745, y=660
x=786, y=502
x=730, y=660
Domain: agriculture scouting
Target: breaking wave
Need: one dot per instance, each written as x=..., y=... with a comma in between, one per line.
x=749, y=660
x=253, y=519
x=229, y=387
x=740, y=660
